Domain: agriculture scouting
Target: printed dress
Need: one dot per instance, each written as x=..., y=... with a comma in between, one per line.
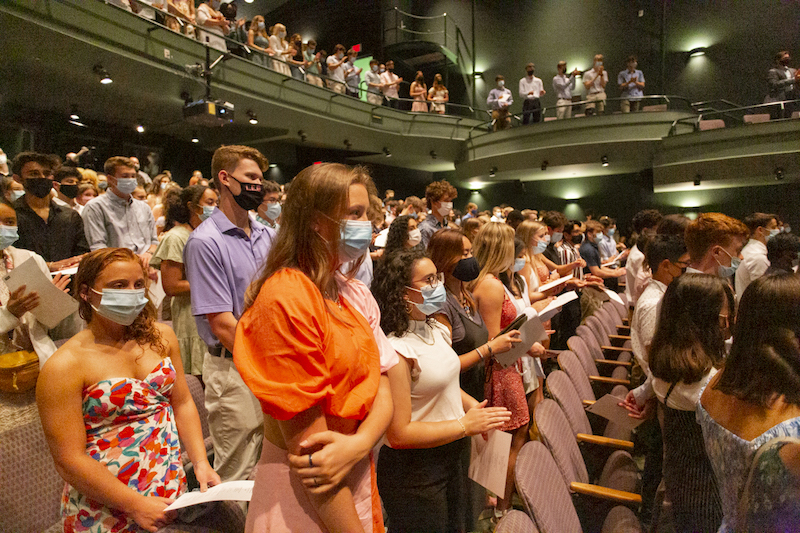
x=130, y=428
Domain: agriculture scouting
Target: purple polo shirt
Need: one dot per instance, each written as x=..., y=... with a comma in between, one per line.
x=221, y=261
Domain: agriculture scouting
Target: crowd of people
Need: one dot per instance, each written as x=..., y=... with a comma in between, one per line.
x=347, y=344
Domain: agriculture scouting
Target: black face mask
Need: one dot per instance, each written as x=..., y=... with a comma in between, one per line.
x=530, y=73
x=39, y=187
x=577, y=239
x=70, y=191
x=467, y=269
x=250, y=196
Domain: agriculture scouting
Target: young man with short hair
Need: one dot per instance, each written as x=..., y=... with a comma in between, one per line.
x=336, y=69
x=390, y=83
x=531, y=89
x=563, y=85
x=636, y=276
x=65, y=185
x=631, y=85
x=715, y=243
x=374, y=84
x=592, y=298
x=439, y=196
x=222, y=257
x=270, y=209
x=595, y=80
x=499, y=101
x=762, y=227
x=783, y=252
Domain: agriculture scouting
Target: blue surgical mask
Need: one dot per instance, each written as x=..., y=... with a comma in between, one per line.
x=273, y=211
x=728, y=271
x=433, y=298
x=519, y=264
x=354, y=239
x=126, y=185
x=541, y=246
x=16, y=195
x=611, y=231
x=261, y=26
x=102, y=185
x=556, y=237
x=207, y=211
x=121, y=305
x=8, y=236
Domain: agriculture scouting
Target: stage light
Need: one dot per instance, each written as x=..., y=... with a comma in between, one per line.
x=140, y=128
x=604, y=160
x=102, y=73
x=195, y=138
x=253, y=117
x=386, y=152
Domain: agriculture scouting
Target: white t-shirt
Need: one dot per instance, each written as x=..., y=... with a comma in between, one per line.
x=435, y=390
x=336, y=73
x=683, y=397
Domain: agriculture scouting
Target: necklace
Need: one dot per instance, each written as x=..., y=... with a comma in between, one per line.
x=414, y=331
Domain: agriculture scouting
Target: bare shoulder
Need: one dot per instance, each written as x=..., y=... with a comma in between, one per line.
x=488, y=286
x=167, y=333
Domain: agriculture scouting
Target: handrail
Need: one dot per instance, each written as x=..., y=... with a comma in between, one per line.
x=421, y=17
x=727, y=113
x=657, y=97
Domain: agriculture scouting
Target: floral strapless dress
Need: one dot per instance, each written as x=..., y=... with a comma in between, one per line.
x=130, y=428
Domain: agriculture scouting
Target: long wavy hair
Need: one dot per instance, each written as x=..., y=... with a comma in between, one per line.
x=526, y=231
x=446, y=249
x=688, y=340
x=397, y=237
x=494, y=250
x=317, y=198
x=143, y=330
x=764, y=363
x=392, y=276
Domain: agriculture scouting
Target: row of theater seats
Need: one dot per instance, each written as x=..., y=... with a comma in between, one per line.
x=717, y=123
x=578, y=474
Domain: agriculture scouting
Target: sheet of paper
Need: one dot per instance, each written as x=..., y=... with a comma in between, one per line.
x=555, y=283
x=611, y=260
x=54, y=304
x=555, y=306
x=614, y=296
x=488, y=463
x=608, y=407
x=67, y=271
x=530, y=332
x=232, y=490
x=156, y=292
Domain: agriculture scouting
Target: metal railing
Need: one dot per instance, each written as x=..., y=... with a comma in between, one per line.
x=734, y=117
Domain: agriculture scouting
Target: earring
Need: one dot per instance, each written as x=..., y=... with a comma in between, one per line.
x=408, y=305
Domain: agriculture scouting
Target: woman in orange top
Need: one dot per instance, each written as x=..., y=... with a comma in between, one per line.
x=306, y=350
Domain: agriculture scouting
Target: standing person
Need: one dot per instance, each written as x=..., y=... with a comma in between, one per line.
x=592, y=298
x=52, y=231
x=374, y=83
x=782, y=81
x=115, y=220
x=420, y=470
x=65, y=183
x=755, y=398
x=184, y=212
x=258, y=40
x=714, y=242
x=352, y=74
x=563, y=85
x=279, y=45
x=531, y=89
x=782, y=252
x=418, y=93
x=631, y=85
x=762, y=227
x=269, y=212
x=336, y=69
x=595, y=80
x=310, y=348
x=645, y=224
x=312, y=61
x=222, y=256
x=114, y=402
x=439, y=197
x=438, y=96
x=499, y=100
x=295, y=59
x=391, y=81
x=214, y=25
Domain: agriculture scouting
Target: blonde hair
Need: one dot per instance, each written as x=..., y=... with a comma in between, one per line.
x=526, y=231
x=493, y=249
x=89, y=176
x=254, y=26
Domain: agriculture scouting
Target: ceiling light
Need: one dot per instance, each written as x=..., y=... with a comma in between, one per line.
x=78, y=123
x=697, y=52
x=544, y=165
x=434, y=155
x=697, y=180
x=492, y=172
x=779, y=173
x=195, y=138
x=105, y=78
x=273, y=165
x=386, y=152
x=604, y=160
x=73, y=114
x=253, y=117
x=140, y=128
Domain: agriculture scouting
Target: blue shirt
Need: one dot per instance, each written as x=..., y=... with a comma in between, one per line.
x=497, y=95
x=631, y=90
x=590, y=254
x=428, y=227
x=221, y=261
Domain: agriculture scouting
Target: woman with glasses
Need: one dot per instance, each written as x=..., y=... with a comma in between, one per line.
x=687, y=349
x=421, y=476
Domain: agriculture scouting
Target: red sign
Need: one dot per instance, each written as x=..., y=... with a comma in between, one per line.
x=357, y=47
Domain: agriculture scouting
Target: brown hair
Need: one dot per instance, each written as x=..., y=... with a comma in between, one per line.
x=49, y=161
x=445, y=249
x=594, y=226
x=143, y=330
x=317, y=197
x=111, y=164
x=228, y=157
x=712, y=229
x=438, y=190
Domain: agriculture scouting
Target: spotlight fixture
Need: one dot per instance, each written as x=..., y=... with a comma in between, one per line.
x=697, y=180
x=302, y=135
x=697, y=52
x=544, y=165
x=386, y=152
x=492, y=172
x=273, y=165
x=195, y=138
x=434, y=155
x=139, y=127
x=604, y=160
x=73, y=114
x=348, y=144
x=105, y=78
x=252, y=116
x=779, y=173
x=477, y=75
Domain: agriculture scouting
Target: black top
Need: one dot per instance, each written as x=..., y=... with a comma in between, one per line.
x=590, y=253
x=551, y=252
x=469, y=332
x=61, y=237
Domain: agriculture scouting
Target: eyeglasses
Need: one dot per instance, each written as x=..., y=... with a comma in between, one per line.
x=433, y=280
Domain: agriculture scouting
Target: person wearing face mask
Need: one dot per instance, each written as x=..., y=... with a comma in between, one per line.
x=715, y=242
x=115, y=220
x=336, y=69
x=257, y=39
x=421, y=473
x=119, y=381
x=11, y=189
x=763, y=227
x=312, y=64
x=418, y=93
x=374, y=84
x=295, y=59
x=563, y=85
x=142, y=177
x=184, y=212
x=631, y=85
x=214, y=25
x=352, y=74
x=310, y=348
x=439, y=196
x=391, y=81
x=269, y=212
x=222, y=257
x=65, y=186
x=86, y=191
x=594, y=81
x=499, y=100
x=53, y=231
x=438, y=95
x=280, y=46
x=644, y=224
x=593, y=297
x=531, y=89
x=402, y=234
x=782, y=84
x=3, y=164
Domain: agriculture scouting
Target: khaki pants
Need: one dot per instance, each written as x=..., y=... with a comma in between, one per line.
x=314, y=80
x=626, y=106
x=501, y=119
x=234, y=419
x=599, y=100
x=374, y=99
x=565, y=110
x=336, y=86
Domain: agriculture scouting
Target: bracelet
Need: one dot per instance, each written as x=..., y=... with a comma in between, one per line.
x=489, y=347
x=460, y=423
x=478, y=349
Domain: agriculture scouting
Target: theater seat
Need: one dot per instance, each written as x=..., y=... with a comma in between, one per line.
x=756, y=118
x=714, y=124
x=516, y=522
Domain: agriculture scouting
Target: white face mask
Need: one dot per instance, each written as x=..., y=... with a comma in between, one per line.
x=3, y=159
x=414, y=237
x=375, y=68
x=501, y=84
x=282, y=34
x=445, y=208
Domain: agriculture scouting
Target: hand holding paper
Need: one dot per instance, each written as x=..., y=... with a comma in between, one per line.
x=231, y=490
x=59, y=304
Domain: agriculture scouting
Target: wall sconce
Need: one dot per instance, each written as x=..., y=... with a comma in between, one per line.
x=779, y=173
x=604, y=160
x=544, y=165
x=195, y=138
x=302, y=135
x=434, y=155
x=697, y=52
x=102, y=73
x=477, y=75
x=252, y=116
x=348, y=144
x=492, y=172
x=697, y=180
x=386, y=152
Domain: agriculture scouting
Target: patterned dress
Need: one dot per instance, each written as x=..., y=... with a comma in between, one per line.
x=130, y=428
